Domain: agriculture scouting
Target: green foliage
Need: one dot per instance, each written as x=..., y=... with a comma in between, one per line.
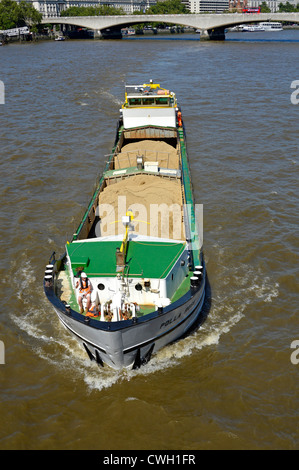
x=169, y=7
x=265, y=8
x=13, y=14
x=29, y=14
x=92, y=11
x=288, y=8
x=8, y=14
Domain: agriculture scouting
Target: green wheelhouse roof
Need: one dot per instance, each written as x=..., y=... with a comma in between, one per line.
x=145, y=259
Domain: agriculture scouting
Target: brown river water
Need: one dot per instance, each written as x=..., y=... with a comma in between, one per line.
x=233, y=383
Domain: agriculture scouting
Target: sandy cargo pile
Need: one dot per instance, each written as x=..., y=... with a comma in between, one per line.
x=156, y=203
x=152, y=150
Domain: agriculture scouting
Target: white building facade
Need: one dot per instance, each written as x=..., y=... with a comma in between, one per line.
x=52, y=8
x=201, y=6
x=272, y=4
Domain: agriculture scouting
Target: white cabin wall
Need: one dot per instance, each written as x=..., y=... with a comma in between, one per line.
x=146, y=296
x=136, y=117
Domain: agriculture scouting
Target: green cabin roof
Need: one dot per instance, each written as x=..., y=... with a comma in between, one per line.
x=144, y=259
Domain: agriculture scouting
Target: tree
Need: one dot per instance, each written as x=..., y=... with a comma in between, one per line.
x=28, y=14
x=13, y=14
x=169, y=7
x=8, y=14
x=265, y=8
x=104, y=10
x=287, y=7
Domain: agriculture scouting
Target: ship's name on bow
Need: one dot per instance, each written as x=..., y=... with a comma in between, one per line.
x=171, y=320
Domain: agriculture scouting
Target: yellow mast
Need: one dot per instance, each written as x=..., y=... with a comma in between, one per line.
x=122, y=251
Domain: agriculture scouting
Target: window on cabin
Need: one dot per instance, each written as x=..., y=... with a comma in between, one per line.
x=162, y=101
x=148, y=101
x=134, y=102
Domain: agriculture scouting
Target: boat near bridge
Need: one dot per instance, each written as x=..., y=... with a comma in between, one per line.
x=252, y=28
x=132, y=279
x=261, y=26
x=271, y=26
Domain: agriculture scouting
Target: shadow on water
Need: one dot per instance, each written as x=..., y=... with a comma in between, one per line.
x=197, y=39
x=261, y=40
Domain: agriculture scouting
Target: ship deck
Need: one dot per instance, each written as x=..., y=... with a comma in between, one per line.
x=67, y=294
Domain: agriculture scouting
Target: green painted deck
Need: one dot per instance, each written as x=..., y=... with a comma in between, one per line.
x=144, y=259
x=183, y=288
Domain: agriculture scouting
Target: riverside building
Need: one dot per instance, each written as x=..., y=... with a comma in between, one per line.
x=238, y=5
x=202, y=6
x=272, y=4
x=52, y=8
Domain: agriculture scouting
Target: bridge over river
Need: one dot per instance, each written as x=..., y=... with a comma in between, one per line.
x=211, y=26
